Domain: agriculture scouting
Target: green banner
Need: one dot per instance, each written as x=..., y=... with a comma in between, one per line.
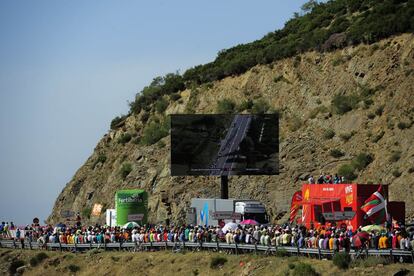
x=131, y=205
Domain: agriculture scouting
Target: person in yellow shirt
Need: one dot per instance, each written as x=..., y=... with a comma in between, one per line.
x=382, y=243
x=331, y=242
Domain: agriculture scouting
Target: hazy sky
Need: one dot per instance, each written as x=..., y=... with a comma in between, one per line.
x=67, y=68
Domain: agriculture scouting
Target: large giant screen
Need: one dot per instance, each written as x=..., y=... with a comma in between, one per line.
x=224, y=145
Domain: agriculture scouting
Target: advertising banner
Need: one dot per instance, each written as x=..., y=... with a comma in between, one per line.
x=131, y=205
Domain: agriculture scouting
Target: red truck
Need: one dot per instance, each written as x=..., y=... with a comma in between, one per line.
x=340, y=205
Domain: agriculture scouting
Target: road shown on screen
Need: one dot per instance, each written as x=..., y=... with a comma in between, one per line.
x=225, y=159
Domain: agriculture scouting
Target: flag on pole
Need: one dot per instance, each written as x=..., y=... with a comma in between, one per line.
x=375, y=207
x=295, y=206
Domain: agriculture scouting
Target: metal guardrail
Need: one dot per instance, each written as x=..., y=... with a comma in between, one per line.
x=236, y=248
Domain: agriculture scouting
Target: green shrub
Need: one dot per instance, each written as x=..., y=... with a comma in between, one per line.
x=379, y=110
x=154, y=131
x=226, y=106
x=342, y=260
x=396, y=173
x=341, y=104
x=161, y=105
x=33, y=261
x=86, y=212
x=403, y=125
x=395, y=156
x=336, y=153
x=377, y=137
x=260, y=107
x=291, y=265
x=346, y=136
x=175, y=97
x=41, y=256
x=348, y=171
x=38, y=258
x=362, y=161
x=101, y=158
x=328, y=134
x=368, y=102
x=217, y=262
x=246, y=105
x=118, y=122
x=73, y=268
x=126, y=169
x=124, y=138
x=337, y=61
x=303, y=269
x=14, y=265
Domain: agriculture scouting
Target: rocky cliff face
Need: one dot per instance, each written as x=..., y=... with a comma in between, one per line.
x=377, y=82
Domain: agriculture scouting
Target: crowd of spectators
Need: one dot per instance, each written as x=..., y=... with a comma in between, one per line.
x=327, y=179
x=330, y=238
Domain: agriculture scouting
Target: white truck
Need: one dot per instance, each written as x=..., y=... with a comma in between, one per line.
x=214, y=211
x=111, y=217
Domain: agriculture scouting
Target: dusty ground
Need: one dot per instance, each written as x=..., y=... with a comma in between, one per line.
x=168, y=263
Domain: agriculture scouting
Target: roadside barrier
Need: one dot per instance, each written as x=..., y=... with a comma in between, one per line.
x=396, y=254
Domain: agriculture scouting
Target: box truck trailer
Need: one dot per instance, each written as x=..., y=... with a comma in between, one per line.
x=214, y=211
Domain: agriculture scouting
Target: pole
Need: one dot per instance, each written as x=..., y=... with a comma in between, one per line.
x=224, y=187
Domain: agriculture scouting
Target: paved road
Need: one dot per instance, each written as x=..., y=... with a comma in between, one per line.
x=238, y=129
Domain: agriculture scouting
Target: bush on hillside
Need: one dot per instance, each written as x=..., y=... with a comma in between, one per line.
x=38, y=258
x=328, y=133
x=303, y=269
x=341, y=104
x=124, y=138
x=86, y=212
x=362, y=160
x=336, y=153
x=260, y=106
x=342, y=260
x=226, y=106
x=161, y=105
x=154, y=131
x=118, y=121
x=395, y=156
x=396, y=173
x=377, y=137
x=126, y=169
x=73, y=268
x=245, y=105
x=403, y=125
x=14, y=265
x=348, y=171
x=346, y=136
x=217, y=262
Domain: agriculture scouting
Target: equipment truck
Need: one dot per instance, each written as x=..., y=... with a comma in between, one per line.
x=214, y=211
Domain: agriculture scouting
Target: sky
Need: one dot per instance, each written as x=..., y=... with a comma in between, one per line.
x=67, y=68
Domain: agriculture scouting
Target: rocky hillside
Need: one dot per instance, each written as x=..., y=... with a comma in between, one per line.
x=350, y=110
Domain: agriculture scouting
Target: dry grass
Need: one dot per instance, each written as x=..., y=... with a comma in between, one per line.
x=168, y=263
